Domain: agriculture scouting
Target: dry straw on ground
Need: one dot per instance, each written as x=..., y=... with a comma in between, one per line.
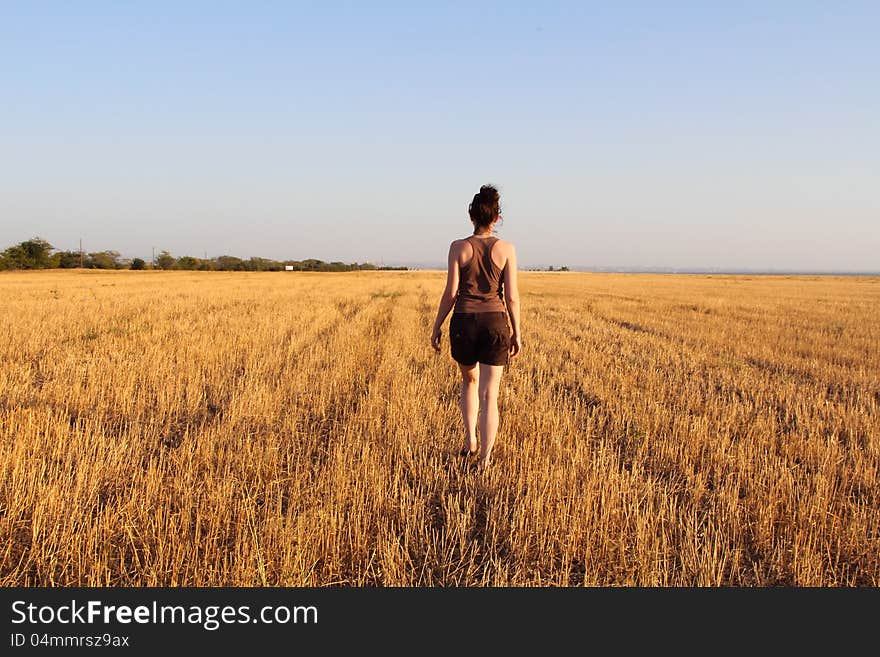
x=173, y=428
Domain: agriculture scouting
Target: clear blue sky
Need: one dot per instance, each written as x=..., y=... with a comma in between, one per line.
x=696, y=134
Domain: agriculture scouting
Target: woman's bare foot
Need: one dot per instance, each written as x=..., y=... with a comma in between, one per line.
x=469, y=448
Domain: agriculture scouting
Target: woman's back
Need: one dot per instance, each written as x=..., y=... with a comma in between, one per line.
x=481, y=285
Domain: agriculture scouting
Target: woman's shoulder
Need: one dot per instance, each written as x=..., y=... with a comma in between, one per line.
x=504, y=245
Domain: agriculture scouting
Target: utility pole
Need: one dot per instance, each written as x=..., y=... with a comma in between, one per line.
x=80, y=253
x=154, y=257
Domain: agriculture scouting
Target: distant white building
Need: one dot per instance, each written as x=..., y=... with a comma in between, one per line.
x=288, y=267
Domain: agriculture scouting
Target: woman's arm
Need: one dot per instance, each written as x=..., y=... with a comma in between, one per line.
x=511, y=298
x=447, y=301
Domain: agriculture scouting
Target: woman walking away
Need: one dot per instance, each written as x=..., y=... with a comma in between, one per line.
x=481, y=289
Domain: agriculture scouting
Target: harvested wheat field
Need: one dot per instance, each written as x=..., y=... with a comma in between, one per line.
x=297, y=429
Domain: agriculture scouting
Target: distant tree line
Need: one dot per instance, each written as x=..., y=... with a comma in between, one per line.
x=37, y=253
x=550, y=268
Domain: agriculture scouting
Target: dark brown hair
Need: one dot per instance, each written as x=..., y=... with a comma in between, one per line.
x=485, y=206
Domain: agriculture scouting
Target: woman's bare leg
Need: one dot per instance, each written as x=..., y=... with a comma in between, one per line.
x=489, y=382
x=470, y=404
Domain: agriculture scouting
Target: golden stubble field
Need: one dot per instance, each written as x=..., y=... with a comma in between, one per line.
x=204, y=429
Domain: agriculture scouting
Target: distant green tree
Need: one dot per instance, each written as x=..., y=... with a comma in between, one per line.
x=262, y=264
x=165, y=260
x=138, y=264
x=104, y=260
x=8, y=259
x=229, y=263
x=187, y=262
x=31, y=254
x=312, y=264
x=13, y=258
x=37, y=251
x=67, y=259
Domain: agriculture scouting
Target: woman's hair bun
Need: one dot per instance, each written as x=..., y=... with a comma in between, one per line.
x=485, y=206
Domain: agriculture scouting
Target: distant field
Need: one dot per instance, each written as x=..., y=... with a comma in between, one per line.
x=204, y=429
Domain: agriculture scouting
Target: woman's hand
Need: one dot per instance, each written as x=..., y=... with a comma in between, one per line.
x=436, y=336
x=515, y=344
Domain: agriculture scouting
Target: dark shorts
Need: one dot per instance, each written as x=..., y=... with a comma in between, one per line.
x=479, y=338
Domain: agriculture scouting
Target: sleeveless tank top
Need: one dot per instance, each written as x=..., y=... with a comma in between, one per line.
x=480, y=287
